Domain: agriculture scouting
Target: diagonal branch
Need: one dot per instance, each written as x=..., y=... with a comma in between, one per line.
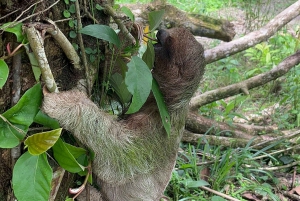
x=245, y=85
x=255, y=37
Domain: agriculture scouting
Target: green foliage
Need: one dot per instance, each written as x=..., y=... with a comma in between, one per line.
x=139, y=82
x=15, y=29
x=128, y=12
x=32, y=177
x=155, y=18
x=15, y=122
x=102, y=32
x=3, y=73
x=163, y=110
x=65, y=158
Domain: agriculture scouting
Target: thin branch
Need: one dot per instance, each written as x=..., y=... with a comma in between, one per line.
x=5, y=16
x=110, y=11
x=81, y=45
x=253, y=38
x=280, y=167
x=28, y=9
x=37, y=45
x=30, y=16
x=218, y=193
x=250, y=83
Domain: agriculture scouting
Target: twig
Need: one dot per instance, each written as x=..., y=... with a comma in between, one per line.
x=292, y=135
x=15, y=152
x=28, y=9
x=280, y=167
x=293, y=196
x=89, y=14
x=9, y=14
x=37, y=45
x=275, y=152
x=110, y=11
x=22, y=20
x=218, y=193
x=80, y=40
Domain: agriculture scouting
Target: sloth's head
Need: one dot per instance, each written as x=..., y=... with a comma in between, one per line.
x=179, y=65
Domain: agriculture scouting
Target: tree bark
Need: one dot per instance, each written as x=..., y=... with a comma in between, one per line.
x=255, y=37
x=246, y=85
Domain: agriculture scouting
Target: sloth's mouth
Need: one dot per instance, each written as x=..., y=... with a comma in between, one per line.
x=157, y=45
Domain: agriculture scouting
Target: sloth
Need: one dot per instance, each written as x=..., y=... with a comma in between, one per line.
x=134, y=157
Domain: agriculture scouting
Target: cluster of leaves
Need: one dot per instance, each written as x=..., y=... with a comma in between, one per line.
x=224, y=170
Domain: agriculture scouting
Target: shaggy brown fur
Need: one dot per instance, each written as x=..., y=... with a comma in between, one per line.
x=135, y=157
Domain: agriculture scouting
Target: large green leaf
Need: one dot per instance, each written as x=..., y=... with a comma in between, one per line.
x=118, y=84
x=41, y=142
x=3, y=73
x=139, y=82
x=45, y=120
x=128, y=12
x=155, y=18
x=17, y=30
x=15, y=122
x=149, y=55
x=32, y=177
x=65, y=158
x=102, y=32
x=163, y=110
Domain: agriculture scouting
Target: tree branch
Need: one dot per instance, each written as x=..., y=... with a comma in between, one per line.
x=250, y=83
x=253, y=38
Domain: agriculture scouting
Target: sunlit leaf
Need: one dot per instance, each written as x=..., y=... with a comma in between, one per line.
x=32, y=177
x=3, y=73
x=17, y=30
x=102, y=32
x=64, y=157
x=41, y=142
x=155, y=18
x=139, y=82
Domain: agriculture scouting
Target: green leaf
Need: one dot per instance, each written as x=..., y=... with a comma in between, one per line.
x=128, y=12
x=149, y=55
x=196, y=184
x=98, y=7
x=118, y=84
x=139, y=82
x=64, y=157
x=75, y=151
x=32, y=177
x=17, y=30
x=34, y=63
x=163, y=110
x=16, y=121
x=102, y=32
x=67, y=14
x=155, y=18
x=73, y=34
x=72, y=9
x=67, y=2
x=3, y=73
x=41, y=142
x=45, y=120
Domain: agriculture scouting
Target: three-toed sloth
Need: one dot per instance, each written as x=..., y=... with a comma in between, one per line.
x=134, y=157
